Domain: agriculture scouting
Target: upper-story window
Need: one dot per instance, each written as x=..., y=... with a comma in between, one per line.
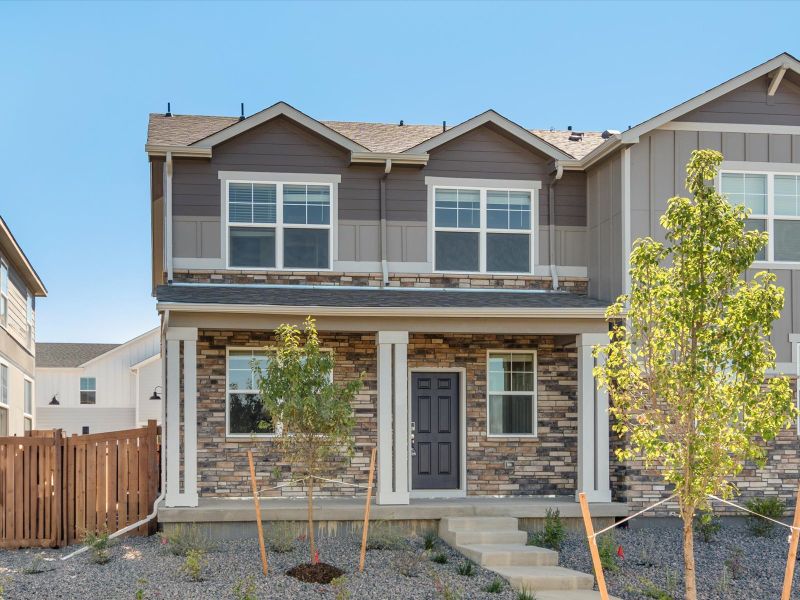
x=3, y=292
x=483, y=229
x=88, y=390
x=279, y=225
x=29, y=317
x=774, y=199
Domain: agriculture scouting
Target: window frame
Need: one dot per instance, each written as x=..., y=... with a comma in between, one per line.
x=534, y=393
x=5, y=368
x=483, y=186
x=4, y=282
x=239, y=436
x=27, y=384
x=81, y=378
x=279, y=180
x=769, y=217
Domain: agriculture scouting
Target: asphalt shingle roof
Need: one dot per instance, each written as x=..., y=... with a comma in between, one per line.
x=370, y=297
x=184, y=130
x=68, y=355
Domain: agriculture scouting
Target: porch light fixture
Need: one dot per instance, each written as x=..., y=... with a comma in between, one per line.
x=155, y=395
x=54, y=401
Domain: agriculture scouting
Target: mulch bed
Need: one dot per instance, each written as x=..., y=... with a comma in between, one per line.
x=315, y=573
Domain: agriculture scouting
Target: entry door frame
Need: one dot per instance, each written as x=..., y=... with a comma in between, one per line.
x=461, y=492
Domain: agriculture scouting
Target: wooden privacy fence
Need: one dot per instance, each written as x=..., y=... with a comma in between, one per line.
x=54, y=489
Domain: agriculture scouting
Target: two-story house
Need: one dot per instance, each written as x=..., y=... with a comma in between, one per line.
x=19, y=286
x=465, y=270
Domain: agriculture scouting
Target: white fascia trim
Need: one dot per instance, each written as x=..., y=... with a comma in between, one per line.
x=185, y=151
x=490, y=116
x=730, y=127
x=380, y=158
x=518, y=184
x=276, y=110
x=145, y=362
x=410, y=311
x=782, y=60
x=280, y=177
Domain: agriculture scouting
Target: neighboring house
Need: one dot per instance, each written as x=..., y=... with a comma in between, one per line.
x=19, y=287
x=93, y=388
x=464, y=270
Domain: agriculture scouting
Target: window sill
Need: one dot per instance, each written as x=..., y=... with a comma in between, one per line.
x=513, y=436
x=276, y=270
x=250, y=438
x=775, y=265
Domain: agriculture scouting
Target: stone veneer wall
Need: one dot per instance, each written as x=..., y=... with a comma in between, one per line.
x=576, y=285
x=537, y=466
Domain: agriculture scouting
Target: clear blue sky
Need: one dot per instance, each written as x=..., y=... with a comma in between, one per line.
x=78, y=81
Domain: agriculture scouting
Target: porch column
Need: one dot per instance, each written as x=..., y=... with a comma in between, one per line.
x=593, y=443
x=393, y=439
x=185, y=494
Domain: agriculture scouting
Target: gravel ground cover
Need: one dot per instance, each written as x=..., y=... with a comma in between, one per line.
x=734, y=566
x=144, y=565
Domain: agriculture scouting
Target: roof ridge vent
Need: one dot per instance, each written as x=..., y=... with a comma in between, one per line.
x=608, y=133
x=575, y=136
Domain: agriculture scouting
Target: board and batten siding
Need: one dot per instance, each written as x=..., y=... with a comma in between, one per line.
x=283, y=146
x=604, y=200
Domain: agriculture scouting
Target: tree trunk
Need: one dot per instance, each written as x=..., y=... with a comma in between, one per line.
x=687, y=513
x=311, y=519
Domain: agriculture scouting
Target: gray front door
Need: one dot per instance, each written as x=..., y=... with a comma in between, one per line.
x=434, y=412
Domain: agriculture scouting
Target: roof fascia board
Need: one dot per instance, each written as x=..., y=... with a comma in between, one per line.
x=182, y=151
x=730, y=127
x=632, y=135
x=277, y=110
x=398, y=158
x=20, y=261
x=500, y=121
x=443, y=311
x=138, y=338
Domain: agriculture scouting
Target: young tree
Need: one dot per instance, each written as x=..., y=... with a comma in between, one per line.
x=686, y=366
x=313, y=414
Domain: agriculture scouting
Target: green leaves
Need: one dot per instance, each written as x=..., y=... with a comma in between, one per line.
x=687, y=362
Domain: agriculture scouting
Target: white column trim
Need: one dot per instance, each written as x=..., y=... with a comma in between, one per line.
x=190, y=420
x=401, y=439
x=172, y=441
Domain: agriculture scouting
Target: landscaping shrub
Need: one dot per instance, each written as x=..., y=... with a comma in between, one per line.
x=383, y=536
x=98, y=544
x=526, y=594
x=430, y=539
x=707, y=525
x=607, y=547
x=409, y=563
x=495, y=587
x=769, y=507
x=140, y=585
x=444, y=591
x=439, y=558
x=245, y=589
x=466, y=568
x=184, y=538
x=194, y=564
x=553, y=534
x=36, y=566
x=339, y=583
x=280, y=538
x=735, y=563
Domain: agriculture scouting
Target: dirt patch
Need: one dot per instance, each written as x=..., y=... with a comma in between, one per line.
x=315, y=573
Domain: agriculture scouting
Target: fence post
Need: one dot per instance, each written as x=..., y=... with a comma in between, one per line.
x=788, y=575
x=364, y=533
x=257, y=503
x=598, y=566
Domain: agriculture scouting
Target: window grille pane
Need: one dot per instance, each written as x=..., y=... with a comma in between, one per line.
x=306, y=204
x=88, y=383
x=787, y=195
x=458, y=208
x=247, y=415
x=88, y=397
x=252, y=202
x=787, y=240
x=749, y=189
x=250, y=247
x=508, y=253
x=457, y=251
x=757, y=225
x=510, y=414
x=306, y=248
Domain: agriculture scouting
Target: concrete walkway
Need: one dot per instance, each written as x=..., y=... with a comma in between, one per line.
x=497, y=544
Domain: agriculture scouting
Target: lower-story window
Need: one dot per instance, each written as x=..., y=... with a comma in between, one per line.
x=3, y=421
x=28, y=423
x=245, y=412
x=512, y=393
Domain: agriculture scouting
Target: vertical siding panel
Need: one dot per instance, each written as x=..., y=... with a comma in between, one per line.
x=662, y=165
x=711, y=140
x=795, y=305
x=780, y=148
x=755, y=147
x=796, y=148
x=782, y=327
x=733, y=146
x=685, y=143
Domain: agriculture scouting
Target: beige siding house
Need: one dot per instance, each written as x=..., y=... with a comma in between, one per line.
x=19, y=286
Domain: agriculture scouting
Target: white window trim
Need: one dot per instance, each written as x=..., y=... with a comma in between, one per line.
x=279, y=180
x=770, y=217
x=529, y=436
x=8, y=385
x=92, y=390
x=4, y=314
x=483, y=185
x=28, y=415
x=240, y=436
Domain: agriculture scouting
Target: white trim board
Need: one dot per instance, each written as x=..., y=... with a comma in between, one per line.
x=730, y=127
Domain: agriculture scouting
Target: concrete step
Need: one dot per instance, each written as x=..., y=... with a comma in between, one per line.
x=480, y=523
x=545, y=578
x=468, y=537
x=571, y=595
x=507, y=555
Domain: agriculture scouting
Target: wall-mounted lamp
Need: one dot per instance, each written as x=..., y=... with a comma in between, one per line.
x=155, y=395
x=54, y=401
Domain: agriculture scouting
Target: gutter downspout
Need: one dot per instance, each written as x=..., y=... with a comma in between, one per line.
x=168, y=215
x=384, y=260
x=551, y=199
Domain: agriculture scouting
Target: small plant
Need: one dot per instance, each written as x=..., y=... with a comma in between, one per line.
x=735, y=563
x=650, y=589
x=181, y=539
x=526, y=594
x=466, y=568
x=383, y=536
x=444, y=591
x=140, y=583
x=280, y=538
x=339, y=583
x=607, y=547
x=647, y=553
x=495, y=587
x=98, y=544
x=409, y=563
x=194, y=564
x=440, y=558
x=707, y=526
x=245, y=589
x=430, y=539
x=724, y=583
x=553, y=534
x=36, y=566
x=771, y=508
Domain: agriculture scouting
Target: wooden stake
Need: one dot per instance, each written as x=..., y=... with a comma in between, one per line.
x=598, y=566
x=366, y=512
x=790, y=560
x=258, y=513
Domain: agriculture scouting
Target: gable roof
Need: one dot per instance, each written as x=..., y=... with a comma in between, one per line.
x=14, y=254
x=782, y=62
x=186, y=130
x=65, y=355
